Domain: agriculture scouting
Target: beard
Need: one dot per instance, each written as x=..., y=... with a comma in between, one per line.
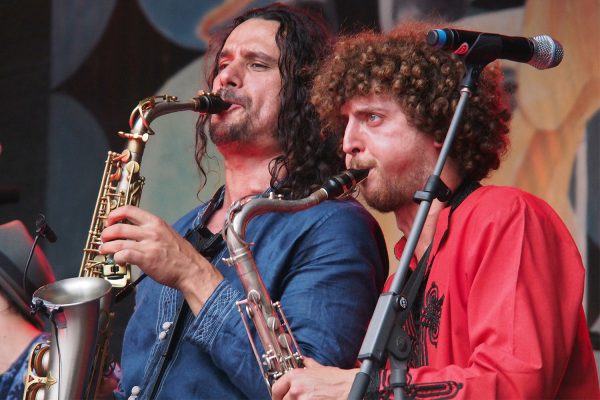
x=226, y=133
x=246, y=128
x=223, y=133
x=388, y=193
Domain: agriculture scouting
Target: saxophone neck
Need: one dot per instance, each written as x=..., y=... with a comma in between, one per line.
x=240, y=213
x=153, y=107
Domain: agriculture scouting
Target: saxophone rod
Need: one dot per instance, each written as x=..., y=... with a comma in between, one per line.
x=334, y=187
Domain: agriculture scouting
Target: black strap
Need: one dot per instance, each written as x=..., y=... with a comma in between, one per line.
x=412, y=286
x=462, y=192
x=209, y=245
x=176, y=331
x=205, y=242
x=418, y=278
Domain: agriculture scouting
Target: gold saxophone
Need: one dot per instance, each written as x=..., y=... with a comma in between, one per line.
x=281, y=351
x=72, y=364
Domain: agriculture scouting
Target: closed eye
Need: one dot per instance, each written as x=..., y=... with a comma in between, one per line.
x=258, y=66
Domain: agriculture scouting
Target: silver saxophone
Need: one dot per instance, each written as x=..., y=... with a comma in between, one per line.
x=73, y=363
x=281, y=351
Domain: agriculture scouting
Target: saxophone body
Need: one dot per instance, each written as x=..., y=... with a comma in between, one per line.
x=79, y=309
x=281, y=351
x=73, y=363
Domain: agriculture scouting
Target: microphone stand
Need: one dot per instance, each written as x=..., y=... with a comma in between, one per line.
x=385, y=335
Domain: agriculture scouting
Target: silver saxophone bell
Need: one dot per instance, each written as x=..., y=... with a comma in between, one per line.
x=78, y=309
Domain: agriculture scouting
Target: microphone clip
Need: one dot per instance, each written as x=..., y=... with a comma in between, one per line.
x=43, y=229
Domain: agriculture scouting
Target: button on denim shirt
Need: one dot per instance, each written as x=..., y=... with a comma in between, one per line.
x=326, y=265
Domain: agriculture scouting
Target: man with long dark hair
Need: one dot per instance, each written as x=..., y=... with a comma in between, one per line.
x=324, y=264
x=498, y=314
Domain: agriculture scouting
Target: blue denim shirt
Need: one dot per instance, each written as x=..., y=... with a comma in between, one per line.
x=326, y=264
x=11, y=381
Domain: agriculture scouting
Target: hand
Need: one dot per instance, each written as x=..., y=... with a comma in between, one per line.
x=314, y=382
x=109, y=383
x=150, y=243
x=107, y=387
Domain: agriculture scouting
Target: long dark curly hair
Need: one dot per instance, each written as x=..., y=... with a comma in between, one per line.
x=308, y=158
x=425, y=82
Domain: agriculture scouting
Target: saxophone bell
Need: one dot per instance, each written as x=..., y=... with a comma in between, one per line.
x=79, y=311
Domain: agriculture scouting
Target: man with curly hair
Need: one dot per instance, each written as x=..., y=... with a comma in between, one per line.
x=185, y=339
x=499, y=314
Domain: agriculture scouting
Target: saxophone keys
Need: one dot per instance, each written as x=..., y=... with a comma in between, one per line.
x=284, y=341
x=38, y=376
x=249, y=312
x=133, y=167
x=41, y=359
x=228, y=261
x=273, y=323
x=254, y=296
x=116, y=176
x=124, y=157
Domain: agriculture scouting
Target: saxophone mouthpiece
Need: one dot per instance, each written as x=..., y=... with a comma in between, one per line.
x=345, y=182
x=210, y=103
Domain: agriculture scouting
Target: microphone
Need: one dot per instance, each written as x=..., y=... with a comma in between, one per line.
x=541, y=52
x=43, y=229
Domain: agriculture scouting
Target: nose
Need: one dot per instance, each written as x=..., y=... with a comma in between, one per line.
x=352, y=143
x=229, y=76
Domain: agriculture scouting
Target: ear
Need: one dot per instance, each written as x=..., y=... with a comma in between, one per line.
x=437, y=145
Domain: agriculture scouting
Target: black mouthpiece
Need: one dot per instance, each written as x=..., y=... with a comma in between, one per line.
x=343, y=183
x=210, y=104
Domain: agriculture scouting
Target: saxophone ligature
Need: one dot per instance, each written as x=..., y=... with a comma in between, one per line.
x=281, y=351
x=72, y=364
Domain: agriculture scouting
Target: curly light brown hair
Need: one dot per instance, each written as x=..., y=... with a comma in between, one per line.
x=425, y=82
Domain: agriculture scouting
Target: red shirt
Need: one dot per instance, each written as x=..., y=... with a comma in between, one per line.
x=502, y=307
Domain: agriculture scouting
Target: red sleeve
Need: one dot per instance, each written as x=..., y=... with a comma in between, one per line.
x=522, y=277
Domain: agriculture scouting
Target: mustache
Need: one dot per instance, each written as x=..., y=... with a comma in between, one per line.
x=361, y=165
x=230, y=96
